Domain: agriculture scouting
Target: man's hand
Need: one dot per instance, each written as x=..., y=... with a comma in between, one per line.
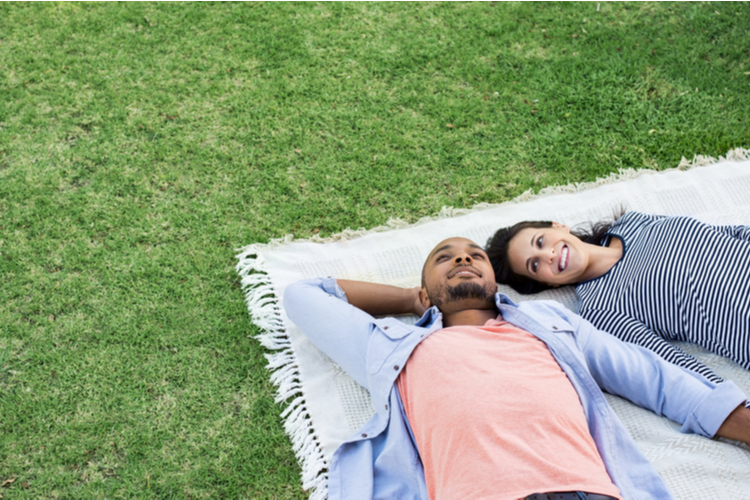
x=382, y=300
x=737, y=425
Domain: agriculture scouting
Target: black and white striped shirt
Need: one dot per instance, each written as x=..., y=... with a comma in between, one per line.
x=678, y=279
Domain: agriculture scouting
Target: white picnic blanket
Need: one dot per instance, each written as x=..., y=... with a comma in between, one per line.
x=324, y=406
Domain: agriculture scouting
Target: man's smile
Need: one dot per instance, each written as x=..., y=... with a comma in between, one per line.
x=464, y=271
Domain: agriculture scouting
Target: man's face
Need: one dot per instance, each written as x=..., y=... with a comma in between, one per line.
x=458, y=276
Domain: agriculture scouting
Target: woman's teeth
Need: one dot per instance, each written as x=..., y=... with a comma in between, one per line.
x=563, y=261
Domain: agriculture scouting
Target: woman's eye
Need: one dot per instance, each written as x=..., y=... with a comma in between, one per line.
x=534, y=267
x=540, y=241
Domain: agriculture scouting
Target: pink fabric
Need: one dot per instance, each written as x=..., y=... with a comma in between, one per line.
x=494, y=416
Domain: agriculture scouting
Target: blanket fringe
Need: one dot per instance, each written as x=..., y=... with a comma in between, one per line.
x=263, y=305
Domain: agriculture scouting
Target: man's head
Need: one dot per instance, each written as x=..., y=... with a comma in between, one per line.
x=457, y=276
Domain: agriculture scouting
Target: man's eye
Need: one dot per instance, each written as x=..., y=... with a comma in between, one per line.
x=478, y=256
x=442, y=257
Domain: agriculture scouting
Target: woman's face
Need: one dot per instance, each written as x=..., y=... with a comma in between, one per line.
x=549, y=255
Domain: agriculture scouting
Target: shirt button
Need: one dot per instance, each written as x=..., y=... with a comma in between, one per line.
x=554, y=328
x=385, y=328
x=386, y=407
x=364, y=435
x=395, y=367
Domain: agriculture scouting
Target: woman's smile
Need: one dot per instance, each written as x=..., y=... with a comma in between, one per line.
x=549, y=255
x=562, y=262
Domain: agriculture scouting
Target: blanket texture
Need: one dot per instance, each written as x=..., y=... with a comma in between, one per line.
x=323, y=406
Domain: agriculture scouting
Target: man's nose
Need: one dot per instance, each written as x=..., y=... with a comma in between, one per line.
x=463, y=258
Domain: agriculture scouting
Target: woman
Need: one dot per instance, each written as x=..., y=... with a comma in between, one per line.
x=643, y=278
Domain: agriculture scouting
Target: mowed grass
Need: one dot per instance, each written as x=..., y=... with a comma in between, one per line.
x=142, y=144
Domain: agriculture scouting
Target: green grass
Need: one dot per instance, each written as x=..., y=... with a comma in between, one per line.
x=141, y=144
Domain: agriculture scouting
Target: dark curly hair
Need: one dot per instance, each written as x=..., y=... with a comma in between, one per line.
x=497, y=250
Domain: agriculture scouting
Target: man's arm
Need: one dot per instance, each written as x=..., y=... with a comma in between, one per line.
x=338, y=316
x=737, y=425
x=320, y=310
x=382, y=300
x=632, y=330
x=647, y=380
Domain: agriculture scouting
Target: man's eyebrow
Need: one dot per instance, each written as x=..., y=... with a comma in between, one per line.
x=438, y=250
x=445, y=247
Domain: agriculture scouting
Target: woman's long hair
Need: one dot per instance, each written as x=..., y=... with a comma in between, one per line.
x=497, y=249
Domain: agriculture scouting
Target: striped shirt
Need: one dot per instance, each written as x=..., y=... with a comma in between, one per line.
x=678, y=279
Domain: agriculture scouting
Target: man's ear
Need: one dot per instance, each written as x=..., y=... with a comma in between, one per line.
x=424, y=299
x=557, y=225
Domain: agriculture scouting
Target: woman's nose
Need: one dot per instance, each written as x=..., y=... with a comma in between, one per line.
x=551, y=254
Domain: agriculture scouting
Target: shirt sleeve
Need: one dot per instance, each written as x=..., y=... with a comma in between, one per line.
x=631, y=330
x=319, y=308
x=737, y=232
x=647, y=380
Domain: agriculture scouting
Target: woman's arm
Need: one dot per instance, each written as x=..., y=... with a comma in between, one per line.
x=737, y=232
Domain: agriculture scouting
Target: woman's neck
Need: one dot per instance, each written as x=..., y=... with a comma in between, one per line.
x=602, y=259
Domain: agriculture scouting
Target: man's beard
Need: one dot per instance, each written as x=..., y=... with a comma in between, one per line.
x=462, y=291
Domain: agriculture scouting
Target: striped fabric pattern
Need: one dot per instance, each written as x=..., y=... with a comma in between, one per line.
x=678, y=279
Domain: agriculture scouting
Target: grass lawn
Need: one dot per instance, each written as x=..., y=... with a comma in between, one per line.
x=142, y=144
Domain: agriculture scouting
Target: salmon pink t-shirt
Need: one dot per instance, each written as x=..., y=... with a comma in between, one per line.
x=494, y=416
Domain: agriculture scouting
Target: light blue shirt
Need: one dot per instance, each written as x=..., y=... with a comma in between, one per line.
x=381, y=459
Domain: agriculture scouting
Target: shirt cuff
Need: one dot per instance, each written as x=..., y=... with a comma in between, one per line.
x=709, y=414
x=332, y=288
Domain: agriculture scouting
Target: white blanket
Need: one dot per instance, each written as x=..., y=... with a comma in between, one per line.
x=324, y=406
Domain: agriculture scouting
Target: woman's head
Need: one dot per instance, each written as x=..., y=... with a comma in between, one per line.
x=532, y=256
x=497, y=251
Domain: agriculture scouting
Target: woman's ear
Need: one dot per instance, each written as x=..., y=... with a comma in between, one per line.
x=557, y=225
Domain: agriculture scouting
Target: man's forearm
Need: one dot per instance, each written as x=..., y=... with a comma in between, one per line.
x=737, y=425
x=381, y=300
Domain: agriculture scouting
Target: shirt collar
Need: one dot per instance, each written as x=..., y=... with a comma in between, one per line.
x=502, y=299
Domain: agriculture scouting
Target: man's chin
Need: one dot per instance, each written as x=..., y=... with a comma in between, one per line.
x=469, y=292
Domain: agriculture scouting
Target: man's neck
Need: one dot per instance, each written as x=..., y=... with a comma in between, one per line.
x=471, y=317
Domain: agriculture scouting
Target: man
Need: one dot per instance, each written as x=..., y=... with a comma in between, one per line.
x=483, y=398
